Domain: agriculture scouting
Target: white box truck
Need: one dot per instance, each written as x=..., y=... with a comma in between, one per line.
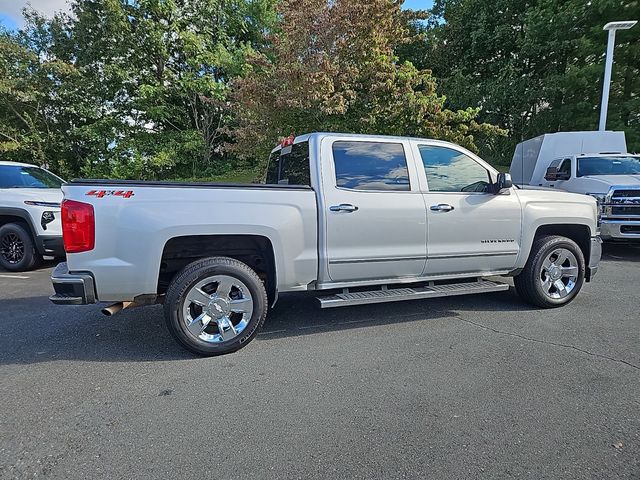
x=592, y=163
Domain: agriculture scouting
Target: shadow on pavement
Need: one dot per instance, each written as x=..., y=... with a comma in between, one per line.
x=625, y=252
x=44, y=265
x=32, y=330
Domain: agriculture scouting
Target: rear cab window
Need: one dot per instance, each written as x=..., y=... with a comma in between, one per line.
x=290, y=166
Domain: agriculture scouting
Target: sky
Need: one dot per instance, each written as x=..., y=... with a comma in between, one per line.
x=11, y=16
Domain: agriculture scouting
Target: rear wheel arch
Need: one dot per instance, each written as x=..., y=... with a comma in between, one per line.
x=256, y=251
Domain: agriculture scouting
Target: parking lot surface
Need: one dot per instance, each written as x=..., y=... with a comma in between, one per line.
x=468, y=387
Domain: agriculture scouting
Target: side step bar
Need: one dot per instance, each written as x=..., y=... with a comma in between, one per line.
x=431, y=290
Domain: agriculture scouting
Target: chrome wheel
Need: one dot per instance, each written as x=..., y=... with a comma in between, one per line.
x=217, y=308
x=12, y=248
x=559, y=273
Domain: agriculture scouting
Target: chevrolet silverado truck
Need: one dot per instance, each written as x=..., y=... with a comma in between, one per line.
x=30, y=226
x=356, y=218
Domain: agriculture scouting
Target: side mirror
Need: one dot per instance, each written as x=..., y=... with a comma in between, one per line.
x=552, y=174
x=504, y=182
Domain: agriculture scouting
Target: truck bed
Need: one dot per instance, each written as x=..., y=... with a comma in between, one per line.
x=170, y=184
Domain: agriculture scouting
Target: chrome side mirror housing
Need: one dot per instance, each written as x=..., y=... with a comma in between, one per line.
x=503, y=183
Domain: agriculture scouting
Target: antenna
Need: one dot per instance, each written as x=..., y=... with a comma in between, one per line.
x=522, y=154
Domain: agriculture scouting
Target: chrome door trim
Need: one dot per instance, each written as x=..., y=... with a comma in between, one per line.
x=468, y=255
x=377, y=259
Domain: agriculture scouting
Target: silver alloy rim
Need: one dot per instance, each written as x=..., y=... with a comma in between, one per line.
x=12, y=248
x=217, y=309
x=559, y=273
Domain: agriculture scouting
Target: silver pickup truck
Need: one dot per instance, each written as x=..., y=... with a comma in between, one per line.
x=358, y=219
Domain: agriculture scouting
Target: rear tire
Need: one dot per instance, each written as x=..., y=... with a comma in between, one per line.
x=553, y=274
x=17, y=249
x=215, y=306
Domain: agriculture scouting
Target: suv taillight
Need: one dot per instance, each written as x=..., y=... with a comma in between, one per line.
x=78, y=226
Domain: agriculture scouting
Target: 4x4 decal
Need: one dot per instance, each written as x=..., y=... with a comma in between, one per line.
x=114, y=193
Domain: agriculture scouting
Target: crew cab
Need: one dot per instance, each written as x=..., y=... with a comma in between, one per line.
x=30, y=227
x=356, y=218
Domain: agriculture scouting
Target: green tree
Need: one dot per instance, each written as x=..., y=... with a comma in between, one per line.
x=140, y=89
x=535, y=66
x=332, y=67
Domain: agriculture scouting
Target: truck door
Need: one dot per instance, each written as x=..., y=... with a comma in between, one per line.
x=374, y=216
x=469, y=228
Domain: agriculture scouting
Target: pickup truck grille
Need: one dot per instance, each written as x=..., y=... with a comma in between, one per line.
x=623, y=204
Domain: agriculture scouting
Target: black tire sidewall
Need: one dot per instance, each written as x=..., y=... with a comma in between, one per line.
x=545, y=249
x=198, y=271
x=30, y=255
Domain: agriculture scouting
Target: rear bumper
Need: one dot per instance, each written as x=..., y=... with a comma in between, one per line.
x=49, y=245
x=72, y=288
x=620, y=230
x=594, y=258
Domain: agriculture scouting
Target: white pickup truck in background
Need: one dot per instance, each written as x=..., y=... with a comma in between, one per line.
x=30, y=226
x=356, y=218
x=591, y=163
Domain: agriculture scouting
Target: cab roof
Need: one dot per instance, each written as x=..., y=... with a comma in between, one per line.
x=307, y=136
x=17, y=164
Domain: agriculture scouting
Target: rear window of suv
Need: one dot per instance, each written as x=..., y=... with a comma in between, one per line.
x=17, y=176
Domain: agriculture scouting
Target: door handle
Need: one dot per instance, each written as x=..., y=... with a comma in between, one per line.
x=343, y=207
x=442, y=207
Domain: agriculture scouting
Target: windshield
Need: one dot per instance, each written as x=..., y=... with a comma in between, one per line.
x=16, y=176
x=608, y=166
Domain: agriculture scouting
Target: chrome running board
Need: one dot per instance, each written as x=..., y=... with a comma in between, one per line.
x=347, y=298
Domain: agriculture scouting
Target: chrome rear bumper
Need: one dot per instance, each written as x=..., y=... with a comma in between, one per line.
x=72, y=288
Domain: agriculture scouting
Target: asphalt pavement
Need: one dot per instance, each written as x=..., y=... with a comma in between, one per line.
x=457, y=388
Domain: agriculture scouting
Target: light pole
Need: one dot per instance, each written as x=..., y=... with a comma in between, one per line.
x=612, y=27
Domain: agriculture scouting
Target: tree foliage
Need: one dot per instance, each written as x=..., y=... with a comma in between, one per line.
x=535, y=66
x=332, y=67
x=127, y=89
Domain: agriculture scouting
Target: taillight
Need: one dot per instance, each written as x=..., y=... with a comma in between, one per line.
x=78, y=226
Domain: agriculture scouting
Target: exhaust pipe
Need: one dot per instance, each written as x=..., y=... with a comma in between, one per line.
x=116, y=307
x=112, y=309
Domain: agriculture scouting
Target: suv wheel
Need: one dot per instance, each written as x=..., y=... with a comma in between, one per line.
x=554, y=273
x=17, y=250
x=215, y=306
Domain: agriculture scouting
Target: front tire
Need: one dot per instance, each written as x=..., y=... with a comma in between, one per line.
x=17, y=250
x=554, y=273
x=215, y=306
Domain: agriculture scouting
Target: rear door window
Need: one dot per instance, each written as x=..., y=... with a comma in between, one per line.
x=371, y=166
